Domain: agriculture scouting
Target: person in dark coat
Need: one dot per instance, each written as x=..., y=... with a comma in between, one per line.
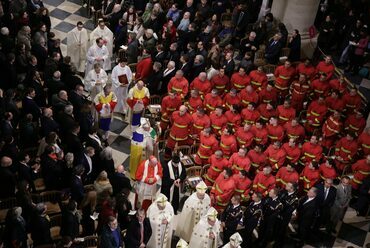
x=51, y=169
x=48, y=124
x=70, y=221
x=119, y=180
x=132, y=48
x=24, y=200
x=111, y=234
x=289, y=199
x=160, y=55
x=77, y=187
x=123, y=207
x=326, y=194
x=185, y=66
x=199, y=66
x=272, y=53
x=15, y=233
x=25, y=171
x=252, y=218
x=271, y=213
x=307, y=213
x=295, y=46
x=139, y=231
x=77, y=99
x=231, y=217
x=7, y=178
x=40, y=231
x=155, y=78
x=174, y=175
x=229, y=64
x=6, y=125
x=30, y=106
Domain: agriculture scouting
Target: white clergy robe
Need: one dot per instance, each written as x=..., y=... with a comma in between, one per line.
x=95, y=52
x=120, y=90
x=200, y=236
x=95, y=82
x=77, y=43
x=193, y=209
x=161, y=233
x=107, y=36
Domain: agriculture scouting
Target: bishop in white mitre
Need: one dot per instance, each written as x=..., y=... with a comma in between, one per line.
x=120, y=88
x=77, y=43
x=160, y=214
x=102, y=31
x=98, y=54
x=206, y=234
x=235, y=241
x=182, y=244
x=194, y=208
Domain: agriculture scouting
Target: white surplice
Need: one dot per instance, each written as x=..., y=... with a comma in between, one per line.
x=95, y=82
x=121, y=91
x=77, y=43
x=107, y=36
x=95, y=52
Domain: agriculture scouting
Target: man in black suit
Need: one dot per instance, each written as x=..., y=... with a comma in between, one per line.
x=48, y=124
x=326, y=194
x=88, y=163
x=119, y=180
x=240, y=19
x=185, y=65
x=77, y=99
x=30, y=106
x=160, y=55
x=155, y=78
x=6, y=125
x=272, y=53
x=74, y=144
x=66, y=120
x=229, y=64
x=111, y=234
x=51, y=169
x=25, y=171
x=173, y=55
x=307, y=213
x=77, y=187
x=7, y=178
x=40, y=231
x=139, y=231
x=70, y=221
x=168, y=73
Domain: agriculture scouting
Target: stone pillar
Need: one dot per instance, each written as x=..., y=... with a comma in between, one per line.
x=278, y=8
x=300, y=14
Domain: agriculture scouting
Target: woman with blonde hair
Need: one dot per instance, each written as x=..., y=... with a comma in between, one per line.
x=102, y=184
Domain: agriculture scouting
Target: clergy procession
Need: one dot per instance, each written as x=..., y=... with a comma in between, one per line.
x=237, y=138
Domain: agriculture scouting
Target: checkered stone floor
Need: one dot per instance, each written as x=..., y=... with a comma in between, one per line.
x=64, y=15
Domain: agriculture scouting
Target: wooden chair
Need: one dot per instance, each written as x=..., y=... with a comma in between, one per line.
x=193, y=150
x=259, y=58
x=90, y=242
x=194, y=171
x=5, y=205
x=185, y=150
x=205, y=169
x=269, y=69
x=155, y=99
x=39, y=184
x=55, y=226
x=51, y=200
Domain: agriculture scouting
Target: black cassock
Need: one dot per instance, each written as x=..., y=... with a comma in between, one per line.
x=167, y=183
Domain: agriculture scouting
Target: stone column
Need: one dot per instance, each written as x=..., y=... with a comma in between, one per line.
x=278, y=8
x=300, y=14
